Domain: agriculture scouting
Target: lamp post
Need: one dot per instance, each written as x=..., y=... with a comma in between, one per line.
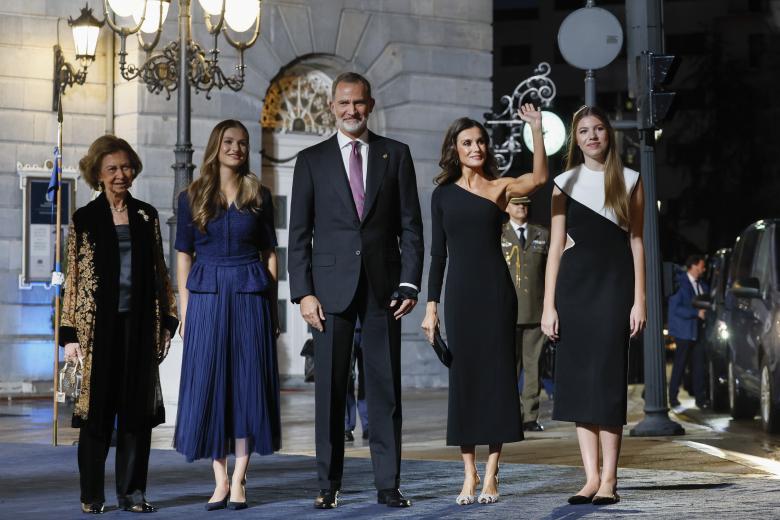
x=540, y=89
x=86, y=29
x=183, y=64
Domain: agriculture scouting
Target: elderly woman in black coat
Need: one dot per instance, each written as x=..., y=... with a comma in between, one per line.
x=118, y=316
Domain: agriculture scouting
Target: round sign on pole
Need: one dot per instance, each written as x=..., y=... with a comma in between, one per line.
x=554, y=133
x=590, y=38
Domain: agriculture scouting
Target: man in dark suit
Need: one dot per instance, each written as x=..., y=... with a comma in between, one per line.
x=684, y=321
x=356, y=252
x=525, y=249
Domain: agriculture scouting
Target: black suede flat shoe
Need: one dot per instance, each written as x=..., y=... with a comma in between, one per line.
x=606, y=500
x=578, y=500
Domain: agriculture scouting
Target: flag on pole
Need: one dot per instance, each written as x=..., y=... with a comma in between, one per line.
x=54, y=181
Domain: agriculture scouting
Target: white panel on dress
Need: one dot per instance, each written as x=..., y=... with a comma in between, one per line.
x=586, y=186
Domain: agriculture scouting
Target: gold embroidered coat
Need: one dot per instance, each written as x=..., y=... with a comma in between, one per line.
x=89, y=312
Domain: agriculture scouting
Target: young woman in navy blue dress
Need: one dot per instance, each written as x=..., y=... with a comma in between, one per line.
x=226, y=271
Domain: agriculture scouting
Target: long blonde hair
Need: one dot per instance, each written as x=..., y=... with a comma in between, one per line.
x=615, y=196
x=206, y=198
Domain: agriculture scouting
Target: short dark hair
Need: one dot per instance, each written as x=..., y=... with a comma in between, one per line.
x=105, y=145
x=693, y=260
x=349, y=77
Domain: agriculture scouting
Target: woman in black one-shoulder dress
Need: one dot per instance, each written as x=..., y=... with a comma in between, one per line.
x=594, y=297
x=480, y=310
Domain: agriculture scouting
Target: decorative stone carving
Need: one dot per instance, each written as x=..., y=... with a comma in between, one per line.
x=298, y=102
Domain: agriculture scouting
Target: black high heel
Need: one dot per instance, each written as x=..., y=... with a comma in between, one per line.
x=235, y=506
x=221, y=504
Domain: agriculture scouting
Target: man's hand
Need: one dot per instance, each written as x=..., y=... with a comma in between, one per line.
x=312, y=312
x=407, y=297
x=702, y=314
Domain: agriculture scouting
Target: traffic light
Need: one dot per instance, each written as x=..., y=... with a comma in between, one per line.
x=654, y=71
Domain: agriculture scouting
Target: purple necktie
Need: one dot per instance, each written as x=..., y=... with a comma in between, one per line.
x=356, y=177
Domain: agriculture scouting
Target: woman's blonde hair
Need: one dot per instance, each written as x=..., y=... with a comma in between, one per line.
x=206, y=198
x=615, y=196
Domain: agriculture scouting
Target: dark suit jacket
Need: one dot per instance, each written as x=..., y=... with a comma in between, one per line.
x=683, y=317
x=329, y=244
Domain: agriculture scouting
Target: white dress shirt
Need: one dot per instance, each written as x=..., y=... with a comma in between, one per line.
x=517, y=227
x=345, y=146
x=695, y=284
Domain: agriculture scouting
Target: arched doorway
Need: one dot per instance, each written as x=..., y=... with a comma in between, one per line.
x=295, y=115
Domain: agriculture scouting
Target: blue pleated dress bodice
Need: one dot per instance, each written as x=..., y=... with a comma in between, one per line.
x=229, y=386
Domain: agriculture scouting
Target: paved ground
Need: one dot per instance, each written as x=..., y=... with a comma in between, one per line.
x=41, y=482
x=719, y=469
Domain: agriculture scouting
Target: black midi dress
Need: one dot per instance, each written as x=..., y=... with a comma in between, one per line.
x=594, y=293
x=480, y=310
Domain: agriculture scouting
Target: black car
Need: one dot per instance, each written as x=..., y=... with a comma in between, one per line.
x=714, y=334
x=752, y=319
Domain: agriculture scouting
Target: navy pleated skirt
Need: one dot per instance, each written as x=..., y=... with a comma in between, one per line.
x=229, y=377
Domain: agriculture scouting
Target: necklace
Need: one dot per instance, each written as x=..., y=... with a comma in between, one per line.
x=119, y=210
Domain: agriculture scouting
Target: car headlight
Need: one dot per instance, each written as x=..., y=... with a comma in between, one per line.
x=723, y=330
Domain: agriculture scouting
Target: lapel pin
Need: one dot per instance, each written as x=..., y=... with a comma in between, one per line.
x=384, y=156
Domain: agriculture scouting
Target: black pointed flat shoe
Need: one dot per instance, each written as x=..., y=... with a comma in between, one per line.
x=578, y=500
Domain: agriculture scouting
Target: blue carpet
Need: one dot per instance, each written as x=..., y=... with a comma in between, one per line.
x=38, y=481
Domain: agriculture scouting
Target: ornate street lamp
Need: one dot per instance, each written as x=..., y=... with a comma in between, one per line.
x=86, y=30
x=540, y=90
x=183, y=63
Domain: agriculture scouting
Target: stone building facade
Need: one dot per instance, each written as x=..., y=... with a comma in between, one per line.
x=429, y=61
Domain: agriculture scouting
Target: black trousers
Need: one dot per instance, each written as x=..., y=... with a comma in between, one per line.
x=381, y=345
x=132, y=448
x=688, y=350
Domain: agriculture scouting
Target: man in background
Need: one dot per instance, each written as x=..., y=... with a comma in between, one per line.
x=684, y=322
x=525, y=249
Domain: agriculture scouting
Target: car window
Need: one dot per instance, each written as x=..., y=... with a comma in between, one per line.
x=714, y=273
x=761, y=264
x=723, y=280
x=744, y=255
x=776, y=254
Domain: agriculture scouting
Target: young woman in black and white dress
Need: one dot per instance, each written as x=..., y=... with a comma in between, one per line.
x=594, y=297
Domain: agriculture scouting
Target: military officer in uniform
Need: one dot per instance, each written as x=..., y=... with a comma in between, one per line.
x=525, y=249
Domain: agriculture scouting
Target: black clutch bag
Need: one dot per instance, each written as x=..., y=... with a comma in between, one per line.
x=547, y=359
x=441, y=349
